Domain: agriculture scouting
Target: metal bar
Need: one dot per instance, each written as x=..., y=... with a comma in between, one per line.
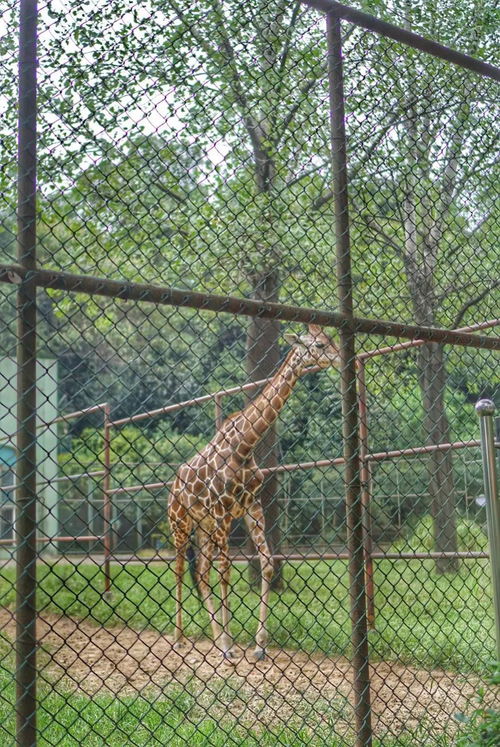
x=26, y=466
x=414, y=450
x=365, y=495
x=58, y=479
x=106, y=484
x=371, y=23
x=298, y=557
x=136, y=488
x=485, y=408
x=305, y=465
x=61, y=418
x=418, y=343
x=429, y=555
x=357, y=593
x=168, y=296
x=85, y=538
x=322, y=463
x=198, y=400
x=77, y=413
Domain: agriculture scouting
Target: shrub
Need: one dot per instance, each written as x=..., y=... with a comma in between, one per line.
x=482, y=727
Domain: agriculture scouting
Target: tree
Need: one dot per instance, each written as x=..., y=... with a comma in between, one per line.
x=420, y=198
x=224, y=183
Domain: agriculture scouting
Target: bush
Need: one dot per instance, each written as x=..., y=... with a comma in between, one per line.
x=482, y=727
x=420, y=540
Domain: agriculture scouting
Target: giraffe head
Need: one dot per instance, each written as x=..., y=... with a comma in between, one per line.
x=315, y=347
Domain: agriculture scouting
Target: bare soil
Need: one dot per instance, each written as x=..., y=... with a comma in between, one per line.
x=83, y=658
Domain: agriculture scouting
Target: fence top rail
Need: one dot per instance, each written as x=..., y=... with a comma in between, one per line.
x=237, y=389
x=77, y=413
x=197, y=400
x=166, y=295
x=320, y=463
x=61, y=419
x=410, y=38
x=416, y=343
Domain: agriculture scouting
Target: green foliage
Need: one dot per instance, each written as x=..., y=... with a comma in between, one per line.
x=471, y=536
x=131, y=449
x=482, y=726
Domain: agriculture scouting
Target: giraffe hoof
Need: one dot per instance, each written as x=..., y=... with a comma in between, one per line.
x=228, y=655
x=259, y=654
x=179, y=645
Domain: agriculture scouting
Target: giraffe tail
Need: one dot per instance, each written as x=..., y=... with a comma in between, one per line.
x=192, y=561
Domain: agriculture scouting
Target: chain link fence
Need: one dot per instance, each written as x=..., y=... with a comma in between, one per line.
x=249, y=304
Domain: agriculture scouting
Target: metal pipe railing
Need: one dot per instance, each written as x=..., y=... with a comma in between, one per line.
x=485, y=408
x=26, y=464
x=169, y=296
x=404, y=36
x=418, y=343
x=348, y=387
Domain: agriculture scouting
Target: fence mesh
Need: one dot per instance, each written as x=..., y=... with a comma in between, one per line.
x=189, y=145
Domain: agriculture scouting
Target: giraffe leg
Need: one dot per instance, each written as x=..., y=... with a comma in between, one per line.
x=180, y=541
x=255, y=522
x=205, y=561
x=181, y=529
x=225, y=573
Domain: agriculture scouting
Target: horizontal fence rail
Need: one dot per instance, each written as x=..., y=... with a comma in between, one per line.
x=372, y=23
x=257, y=534
x=232, y=304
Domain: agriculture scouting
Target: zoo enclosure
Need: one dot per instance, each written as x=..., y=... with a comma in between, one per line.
x=109, y=493
x=28, y=276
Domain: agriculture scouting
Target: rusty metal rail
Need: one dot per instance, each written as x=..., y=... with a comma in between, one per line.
x=168, y=296
x=404, y=36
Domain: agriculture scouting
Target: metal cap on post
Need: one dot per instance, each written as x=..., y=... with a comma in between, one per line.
x=485, y=408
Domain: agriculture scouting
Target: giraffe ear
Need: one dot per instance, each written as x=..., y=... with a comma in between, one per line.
x=290, y=338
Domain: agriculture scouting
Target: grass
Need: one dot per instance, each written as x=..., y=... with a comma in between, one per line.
x=174, y=718
x=423, y=619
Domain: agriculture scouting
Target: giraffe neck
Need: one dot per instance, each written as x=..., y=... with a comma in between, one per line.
x=260, y=414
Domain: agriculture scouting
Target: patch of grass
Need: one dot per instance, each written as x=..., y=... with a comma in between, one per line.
x=423, y=619
x=71, y=720
x=482, y=727
x=174, y=718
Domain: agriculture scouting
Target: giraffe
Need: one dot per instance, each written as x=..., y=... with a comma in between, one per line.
x=221, y=483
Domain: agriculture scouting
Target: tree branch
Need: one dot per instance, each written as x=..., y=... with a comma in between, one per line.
x=372, y=223
x=323, y=199
x=171, y=193
x=286, y=46
x=304, y=174
x=472, y=302
x=288, y=118
x=228, y=53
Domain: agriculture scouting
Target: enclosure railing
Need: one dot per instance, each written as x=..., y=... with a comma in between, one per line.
x=27, y=276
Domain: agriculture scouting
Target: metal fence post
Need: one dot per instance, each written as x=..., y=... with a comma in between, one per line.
x=26, y=493
x=366, y=490
x=485, y=408
x=107, y=507
x=350, y=429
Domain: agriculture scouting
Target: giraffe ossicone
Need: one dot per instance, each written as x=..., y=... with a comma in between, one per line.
x=221, y=483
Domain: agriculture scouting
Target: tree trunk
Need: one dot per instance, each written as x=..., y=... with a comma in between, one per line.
x=262, y=358
x=432, y=378
x=420, y=262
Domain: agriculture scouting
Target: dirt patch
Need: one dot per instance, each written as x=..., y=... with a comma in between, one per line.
x=288, y=685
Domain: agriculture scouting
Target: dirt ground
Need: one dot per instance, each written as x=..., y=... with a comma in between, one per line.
x=83, y=658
